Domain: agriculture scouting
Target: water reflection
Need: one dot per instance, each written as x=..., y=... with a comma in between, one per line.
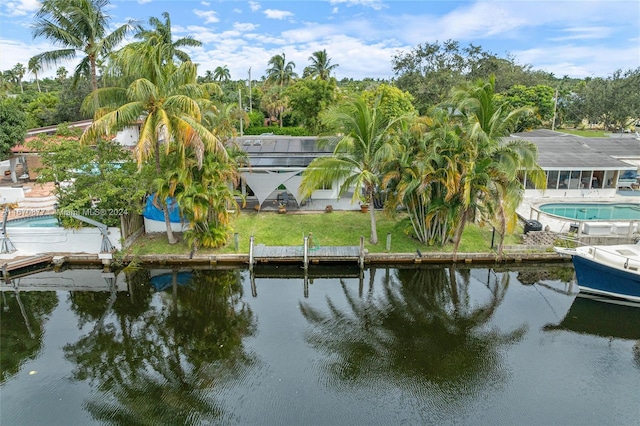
x=23, y=318
x=423, y=327
x=156, y=363
x=416, y=345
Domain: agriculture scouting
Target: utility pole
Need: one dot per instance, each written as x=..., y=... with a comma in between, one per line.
x=250, y=106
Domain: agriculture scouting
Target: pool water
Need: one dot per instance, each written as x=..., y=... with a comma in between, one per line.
x=34, y=222
x=585, y=211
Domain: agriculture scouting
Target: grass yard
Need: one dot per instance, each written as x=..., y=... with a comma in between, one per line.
x=329, y=229
x=586, y=133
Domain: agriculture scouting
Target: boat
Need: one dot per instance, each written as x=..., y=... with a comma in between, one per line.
x=611, y=271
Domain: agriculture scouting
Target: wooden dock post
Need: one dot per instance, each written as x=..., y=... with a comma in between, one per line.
x=389, y=241
x=251, y=253
x=361, y=259
x=305, y=253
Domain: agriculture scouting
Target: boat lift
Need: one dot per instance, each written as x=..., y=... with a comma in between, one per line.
x=106, y=246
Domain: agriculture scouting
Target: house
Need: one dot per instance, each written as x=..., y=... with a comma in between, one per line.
x=576, y=166
x=275, y=170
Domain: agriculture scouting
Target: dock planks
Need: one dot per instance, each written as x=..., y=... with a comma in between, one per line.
x=24, y=262
x=295, y=253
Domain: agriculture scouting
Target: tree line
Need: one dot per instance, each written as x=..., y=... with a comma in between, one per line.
x=429, y=141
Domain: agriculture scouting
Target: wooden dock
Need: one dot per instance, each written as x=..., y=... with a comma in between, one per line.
x=264, y=253
x=13, y=266
x=322, y=254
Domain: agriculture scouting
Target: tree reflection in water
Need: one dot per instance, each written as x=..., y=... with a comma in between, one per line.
x=22, y=317
x=155, y=360
x=423, y=328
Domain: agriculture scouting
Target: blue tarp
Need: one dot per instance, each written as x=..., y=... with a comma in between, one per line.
x=154, y=213
x=165, y=281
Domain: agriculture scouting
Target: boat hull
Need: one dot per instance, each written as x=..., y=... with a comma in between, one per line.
x=597, y=278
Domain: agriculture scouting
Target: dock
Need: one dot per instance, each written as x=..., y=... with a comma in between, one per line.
x=319, y=254
x=15, y=266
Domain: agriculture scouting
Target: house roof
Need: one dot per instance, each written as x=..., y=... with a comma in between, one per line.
x=281, y=151
x=557, y=151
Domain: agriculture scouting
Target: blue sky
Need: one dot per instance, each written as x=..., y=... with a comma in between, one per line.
x=575, y=38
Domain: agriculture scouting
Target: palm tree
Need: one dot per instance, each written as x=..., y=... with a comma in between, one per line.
x=78, y=26
x=61, y=74
x=161, y=34
x=424, y=176
x=171, y=110
x=18, y=71
x=205, y=197
x=35, y=65
x=280, y=71
x=492, y=162
x=320, y=66
x=358, y=159
x=221, y=74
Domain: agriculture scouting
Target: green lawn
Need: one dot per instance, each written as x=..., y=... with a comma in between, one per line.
x=586, y=133
x=329, y=229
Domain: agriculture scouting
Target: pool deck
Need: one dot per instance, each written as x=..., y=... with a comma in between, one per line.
x=562, y=226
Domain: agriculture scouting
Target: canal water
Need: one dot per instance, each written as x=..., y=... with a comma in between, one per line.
x=435, y=345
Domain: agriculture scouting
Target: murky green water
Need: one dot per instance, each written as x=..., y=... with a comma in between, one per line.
x=397, y=346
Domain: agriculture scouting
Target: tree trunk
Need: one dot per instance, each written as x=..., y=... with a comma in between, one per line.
x=458, y=235
x=94, y=78
x=372, y=215
x=503, y=231
x=163, y=203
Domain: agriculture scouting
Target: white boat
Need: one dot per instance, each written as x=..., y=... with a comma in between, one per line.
x=612, y=271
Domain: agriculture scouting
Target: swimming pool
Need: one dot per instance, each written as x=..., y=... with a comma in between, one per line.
x=586, y=211
x=34, y=222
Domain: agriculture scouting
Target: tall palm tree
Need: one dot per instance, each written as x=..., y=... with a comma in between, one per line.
x=171, y=110
x=358, y=159
x=280, y=71
x=221, y=73
x=78, y=26
x=320, y=67
x=35, y=65
x=61, y=74
x=18, y=71
x=160, y=34
x=493, y=162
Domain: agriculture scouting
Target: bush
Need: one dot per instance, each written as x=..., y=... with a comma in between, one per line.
x=291, y=131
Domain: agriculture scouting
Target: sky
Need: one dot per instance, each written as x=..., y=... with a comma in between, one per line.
x=573, y=38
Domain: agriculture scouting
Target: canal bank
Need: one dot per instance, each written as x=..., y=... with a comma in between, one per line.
x=242, y=259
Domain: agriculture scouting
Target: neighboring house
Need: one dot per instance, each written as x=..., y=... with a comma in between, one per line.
x=581, y=167
x=23, y=161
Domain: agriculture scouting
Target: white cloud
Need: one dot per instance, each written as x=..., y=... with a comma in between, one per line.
x=144, y=1
x=244, y=26
x=210, y=16
x=374, y=4
x=255, y=6
x=205, y=3
x=277, y=14
x=584, y=33
x=15, y=51
x=21, y=7
x=579, y=61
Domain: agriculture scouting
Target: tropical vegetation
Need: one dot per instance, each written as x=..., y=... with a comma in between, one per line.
x=429, y=144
